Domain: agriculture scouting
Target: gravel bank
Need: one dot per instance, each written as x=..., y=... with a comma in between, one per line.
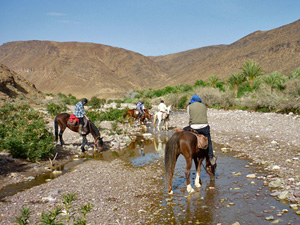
x=122, y=194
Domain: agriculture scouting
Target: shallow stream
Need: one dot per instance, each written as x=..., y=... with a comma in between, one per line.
x=229, y=198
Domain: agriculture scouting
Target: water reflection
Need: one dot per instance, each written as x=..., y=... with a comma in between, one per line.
x=159, y=142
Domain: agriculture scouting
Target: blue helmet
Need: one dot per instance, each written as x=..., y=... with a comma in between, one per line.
x=84, y=100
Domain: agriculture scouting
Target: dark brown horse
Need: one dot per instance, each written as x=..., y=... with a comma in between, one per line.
x=132, y=113
x=186, y=143
x=61, y=120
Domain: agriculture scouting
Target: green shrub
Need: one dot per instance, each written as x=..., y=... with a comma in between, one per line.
x=95, y=103
x=54, y=109
x=182, y=103
x=109, y=115
x=60, y=215
x=200, y=83
x=24, y=134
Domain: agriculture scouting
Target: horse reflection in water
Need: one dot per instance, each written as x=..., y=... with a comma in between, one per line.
x=160, y=145
x=186, y=143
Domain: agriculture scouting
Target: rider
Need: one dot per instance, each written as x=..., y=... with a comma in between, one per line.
x=163, y=108
x=197, y=112
x=140, y=107
x=80, y=114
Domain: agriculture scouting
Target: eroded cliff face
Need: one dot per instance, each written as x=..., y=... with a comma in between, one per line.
x=14, y=86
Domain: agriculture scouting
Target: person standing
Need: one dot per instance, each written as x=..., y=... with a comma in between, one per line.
x=198, y=121
x=80, y=114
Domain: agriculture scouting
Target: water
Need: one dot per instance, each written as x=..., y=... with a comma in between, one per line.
x=226, y=199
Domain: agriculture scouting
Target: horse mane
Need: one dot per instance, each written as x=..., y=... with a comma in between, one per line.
x=94, y=128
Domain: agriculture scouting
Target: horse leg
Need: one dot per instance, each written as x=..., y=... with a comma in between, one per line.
x=84, y=142
x=158, y=123
x=187, y=175
x=170, y=191
x=198, y=181
x=61, y=136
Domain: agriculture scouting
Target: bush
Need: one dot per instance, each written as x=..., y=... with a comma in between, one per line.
x=110, y=115
x=54, y=109
x=24, y=134
x=182, y=103
x=69, y=213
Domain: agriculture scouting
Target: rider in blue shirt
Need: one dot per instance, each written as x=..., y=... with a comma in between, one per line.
x=80, y=114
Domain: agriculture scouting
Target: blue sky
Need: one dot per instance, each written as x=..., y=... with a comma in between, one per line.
x=149, y=27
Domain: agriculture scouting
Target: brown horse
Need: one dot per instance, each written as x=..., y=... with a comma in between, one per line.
x=132, y=113
x=186, y=143
x=61, y=120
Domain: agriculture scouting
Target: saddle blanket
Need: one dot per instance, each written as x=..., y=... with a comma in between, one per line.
x=73, y=120
x=201, y=139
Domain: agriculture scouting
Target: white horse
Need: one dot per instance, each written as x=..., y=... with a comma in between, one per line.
x=162, y=117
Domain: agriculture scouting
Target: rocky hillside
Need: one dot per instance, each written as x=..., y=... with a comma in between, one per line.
x=82, y=69
x=274, y=50
x=86, y=69
x=12, y=85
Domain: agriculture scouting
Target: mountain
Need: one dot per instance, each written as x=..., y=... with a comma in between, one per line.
x=87, y=69
x=82, y=69
x=12, y=85
x=274, y=50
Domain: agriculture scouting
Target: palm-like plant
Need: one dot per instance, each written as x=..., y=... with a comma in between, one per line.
x=295, y=74
x=212, y=80
x=235, y=80
x=251, y=70
x=274, y=80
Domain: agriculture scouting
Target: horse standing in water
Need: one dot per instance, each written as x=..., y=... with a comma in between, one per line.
x=187, y=144
x=162, y=117
x=132, y=113
x=61, y=120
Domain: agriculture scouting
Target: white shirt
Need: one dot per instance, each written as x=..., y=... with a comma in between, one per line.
x=162, y=107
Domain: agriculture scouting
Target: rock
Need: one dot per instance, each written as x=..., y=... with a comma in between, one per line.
x=275, y=184
x=277, y=168
x=294, y=206
x=283, y=195
x=251, y=176
x=296, y=193
x=269, y=218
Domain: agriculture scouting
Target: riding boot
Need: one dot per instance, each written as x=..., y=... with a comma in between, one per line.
x=81, y=129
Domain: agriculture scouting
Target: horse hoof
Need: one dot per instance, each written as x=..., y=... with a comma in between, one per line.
x=190, y=189
x=171, y=193
x=198, y=185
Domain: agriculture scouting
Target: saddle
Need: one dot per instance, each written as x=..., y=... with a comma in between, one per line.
x=201, y=139
x=73, y=121
x=136, y=112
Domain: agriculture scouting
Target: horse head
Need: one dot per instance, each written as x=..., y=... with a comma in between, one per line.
x=169, y=108
x=211, y=169
x=98, y=143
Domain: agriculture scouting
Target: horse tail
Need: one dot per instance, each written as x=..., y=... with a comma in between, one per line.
x=154, y=119
x=56, y=129
x=171, y=153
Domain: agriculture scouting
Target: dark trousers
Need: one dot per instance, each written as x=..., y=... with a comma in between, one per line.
x=81, y=121
x=206, y=132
